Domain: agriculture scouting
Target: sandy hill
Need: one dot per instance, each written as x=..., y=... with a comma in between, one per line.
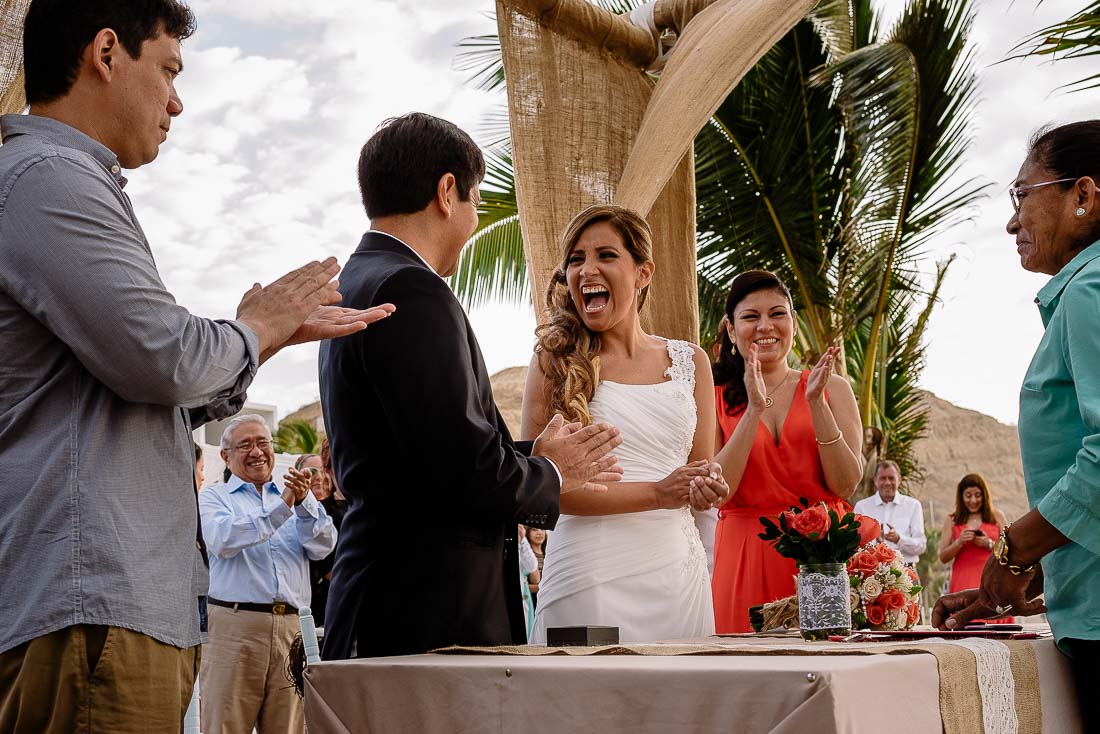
x=959, y=442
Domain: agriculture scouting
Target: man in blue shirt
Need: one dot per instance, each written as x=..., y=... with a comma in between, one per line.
x=261, y=539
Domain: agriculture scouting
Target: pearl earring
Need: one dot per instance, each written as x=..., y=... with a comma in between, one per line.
x=1080, y=211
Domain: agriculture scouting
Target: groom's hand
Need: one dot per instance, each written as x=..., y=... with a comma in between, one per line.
x=582, y=455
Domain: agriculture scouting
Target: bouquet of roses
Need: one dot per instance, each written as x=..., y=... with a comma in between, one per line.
x=815, y=534
x=884, y=590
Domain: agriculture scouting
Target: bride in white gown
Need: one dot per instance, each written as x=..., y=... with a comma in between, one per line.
x=631, y=557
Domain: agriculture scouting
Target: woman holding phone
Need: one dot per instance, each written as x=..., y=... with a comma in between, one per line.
x=973, y=528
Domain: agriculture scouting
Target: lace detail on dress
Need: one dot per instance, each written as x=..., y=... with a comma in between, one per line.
x=682, y=369
x=696, y=561
x=682, y=374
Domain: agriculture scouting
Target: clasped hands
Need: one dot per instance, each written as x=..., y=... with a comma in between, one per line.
x=699, y=484
x=295, y=487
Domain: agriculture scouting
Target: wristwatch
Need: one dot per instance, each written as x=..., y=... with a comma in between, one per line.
x=1000, y=552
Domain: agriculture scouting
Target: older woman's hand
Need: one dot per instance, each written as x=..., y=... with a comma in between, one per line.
x=1002, y=592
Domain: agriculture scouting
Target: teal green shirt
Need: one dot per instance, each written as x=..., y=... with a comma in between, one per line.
x=1060, y=442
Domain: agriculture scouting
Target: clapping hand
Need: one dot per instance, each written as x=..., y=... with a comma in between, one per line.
x=582, y=454
x=709, y=491
x=295, y=486
x=756, y=390
x=300, y=307
x=820, y=374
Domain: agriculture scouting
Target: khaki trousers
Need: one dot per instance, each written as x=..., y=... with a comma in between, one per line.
x=243, y=681
x=92, y=679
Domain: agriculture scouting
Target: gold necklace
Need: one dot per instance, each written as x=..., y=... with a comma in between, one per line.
x=768, y=402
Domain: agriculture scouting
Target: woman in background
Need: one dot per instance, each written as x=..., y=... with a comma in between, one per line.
x=973, y=528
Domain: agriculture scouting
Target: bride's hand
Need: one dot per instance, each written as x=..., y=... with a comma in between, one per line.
x=819, y=376
x=710, y=491
x=756, y=391
x=674, y=491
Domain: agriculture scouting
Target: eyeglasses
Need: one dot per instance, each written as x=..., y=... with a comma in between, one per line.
x=246, y=446
x=1015, y=191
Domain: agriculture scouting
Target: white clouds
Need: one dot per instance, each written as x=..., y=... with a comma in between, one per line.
x=258, y=175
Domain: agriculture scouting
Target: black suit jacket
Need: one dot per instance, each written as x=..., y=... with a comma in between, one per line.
x=427, y=553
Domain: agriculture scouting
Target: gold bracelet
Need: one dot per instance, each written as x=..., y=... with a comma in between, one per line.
x=829, y=443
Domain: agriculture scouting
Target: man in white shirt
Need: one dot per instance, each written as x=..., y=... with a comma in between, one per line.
x=901, y=516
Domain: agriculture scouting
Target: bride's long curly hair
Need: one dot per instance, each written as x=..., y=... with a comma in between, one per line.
x=569, y=352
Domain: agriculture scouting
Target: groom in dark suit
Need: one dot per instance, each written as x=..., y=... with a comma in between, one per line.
x=427, y=554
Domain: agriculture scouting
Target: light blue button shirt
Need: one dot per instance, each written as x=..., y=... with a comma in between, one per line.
x=1060, y=442
x=259, y=547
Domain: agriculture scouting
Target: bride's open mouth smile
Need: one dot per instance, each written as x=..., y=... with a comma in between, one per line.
x=596, y=297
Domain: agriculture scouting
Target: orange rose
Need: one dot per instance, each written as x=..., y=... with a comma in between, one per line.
x=912, y=573
x=869, y=529
x=812, y=523
x=884, y=553
x=892, y=600
x=864, y=563
x=913, y=612
x=876, y=615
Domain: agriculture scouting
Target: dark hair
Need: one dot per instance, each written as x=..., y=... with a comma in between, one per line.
x=961, y=514
x=1069, y=151
x=198, y=453
x=729, y=369
x=56, y=33
x=226, y=473
x=400, y=166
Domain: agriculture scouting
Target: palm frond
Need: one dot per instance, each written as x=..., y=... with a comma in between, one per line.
x=493, y=266
x=296, y=437
x=483, y=60
x=1076, y=37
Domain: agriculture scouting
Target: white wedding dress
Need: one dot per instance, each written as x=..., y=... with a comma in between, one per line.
x=643, y=572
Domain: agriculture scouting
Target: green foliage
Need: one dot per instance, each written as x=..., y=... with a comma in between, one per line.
x=1076, y=37
x=831, y=163
x=837, y=546
x=933, y=574
x=296, y=437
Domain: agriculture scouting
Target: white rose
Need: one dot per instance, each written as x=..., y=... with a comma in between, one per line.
x=871, y=589
x=898, y=563
x=853, y=599
x=903, y=585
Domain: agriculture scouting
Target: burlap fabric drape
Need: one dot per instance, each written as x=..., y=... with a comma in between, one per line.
x=583, y=111
x=12, y=95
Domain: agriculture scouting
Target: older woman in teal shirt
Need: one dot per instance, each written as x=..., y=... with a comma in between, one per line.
x=1057, y=228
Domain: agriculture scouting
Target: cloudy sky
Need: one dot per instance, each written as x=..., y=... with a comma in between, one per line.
x=258, y=175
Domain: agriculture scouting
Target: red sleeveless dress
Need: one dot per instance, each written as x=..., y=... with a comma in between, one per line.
x=747, y=570
x=966, y=570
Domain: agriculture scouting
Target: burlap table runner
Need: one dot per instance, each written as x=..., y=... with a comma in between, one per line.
x=961, y=697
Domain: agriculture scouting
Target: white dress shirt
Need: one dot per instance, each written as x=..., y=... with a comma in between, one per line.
x=259, y=546
x=903, y=514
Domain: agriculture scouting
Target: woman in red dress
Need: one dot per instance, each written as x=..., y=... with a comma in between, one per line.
x=785, y=434
x=973, y=528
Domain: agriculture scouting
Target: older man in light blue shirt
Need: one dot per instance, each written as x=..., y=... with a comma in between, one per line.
x=261, y=539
